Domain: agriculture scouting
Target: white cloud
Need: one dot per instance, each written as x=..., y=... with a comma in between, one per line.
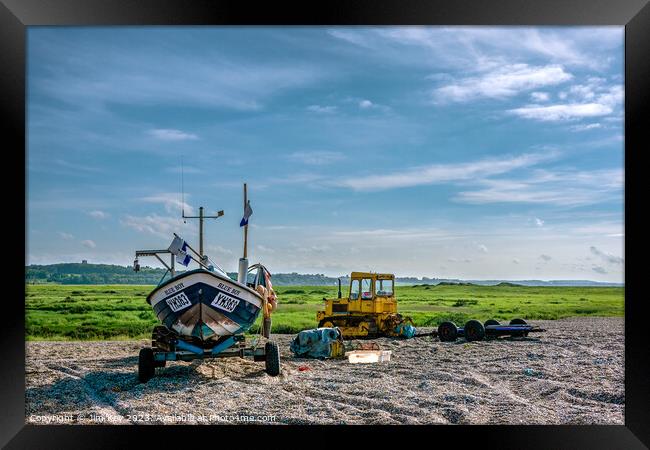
x=458, y=260
x=461, y=47
x=585, y=127
x=562, y=188
x=353, y=37
x=161, y=226
x=441, y=173
x=562, y=112
x=606, y=228
x=386, y=235
x=606, y=256
x=153, y=72
x=98, y=214
x=501, y=82
x=88, y=243
x=314, y=249
x=322, y=109
x=76, y=167
x=539, y=96
x=172, y=135
x=317, y=158
x=65, y=236
x=365, y=104
x=219, y=250
x=592, y=99
x=599, y=269
x=171, y=201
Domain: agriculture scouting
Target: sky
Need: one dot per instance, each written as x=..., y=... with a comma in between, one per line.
x=449, y=152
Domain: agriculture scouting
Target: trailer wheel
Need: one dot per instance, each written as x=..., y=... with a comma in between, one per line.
x=272, y=358
x=518, y=321
x=491, y=322
x=146, y=365
x=447, y=332
x=474, y=330
x=162, y=363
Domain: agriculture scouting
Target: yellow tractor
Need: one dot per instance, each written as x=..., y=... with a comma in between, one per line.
x=370, y=309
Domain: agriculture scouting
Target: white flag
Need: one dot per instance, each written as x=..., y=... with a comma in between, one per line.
x=178, y=248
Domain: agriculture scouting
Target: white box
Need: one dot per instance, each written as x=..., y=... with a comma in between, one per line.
x=368, y=356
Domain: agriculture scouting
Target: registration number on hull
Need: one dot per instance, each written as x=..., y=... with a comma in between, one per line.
x=178, y=302
x=225, y=302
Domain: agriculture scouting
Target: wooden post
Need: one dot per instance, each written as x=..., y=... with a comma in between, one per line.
x=245, y=226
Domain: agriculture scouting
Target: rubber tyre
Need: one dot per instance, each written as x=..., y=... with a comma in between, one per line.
x=324, y=323
x=447, y=332
x=474, y=331
x=272, y=358
x=491, y=322
x=518, y=321
x=146, y=365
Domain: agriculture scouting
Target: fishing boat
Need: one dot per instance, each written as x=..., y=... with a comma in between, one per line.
x=204, y=313
x=209, y=305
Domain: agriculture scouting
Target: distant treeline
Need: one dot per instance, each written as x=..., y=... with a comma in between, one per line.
x=80, y=273
x=76, y=273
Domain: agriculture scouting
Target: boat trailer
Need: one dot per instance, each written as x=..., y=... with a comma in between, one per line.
x=477, y=331
x=166, y=345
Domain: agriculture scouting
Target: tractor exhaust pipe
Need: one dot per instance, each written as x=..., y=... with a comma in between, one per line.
x=339, y=288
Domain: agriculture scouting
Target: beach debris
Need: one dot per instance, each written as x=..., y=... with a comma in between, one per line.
x=321, y=343
x=368, y=356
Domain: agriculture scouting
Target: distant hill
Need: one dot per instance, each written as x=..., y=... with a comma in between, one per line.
x=80, y=273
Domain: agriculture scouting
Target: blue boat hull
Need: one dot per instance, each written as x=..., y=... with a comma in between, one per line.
x=205, y=305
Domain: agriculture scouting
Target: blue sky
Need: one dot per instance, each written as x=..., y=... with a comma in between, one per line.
x=469, y=152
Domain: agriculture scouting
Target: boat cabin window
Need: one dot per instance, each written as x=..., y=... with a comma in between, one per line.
x=354, y=290
x=384, y=288
x=366, y=289
x=255, y=277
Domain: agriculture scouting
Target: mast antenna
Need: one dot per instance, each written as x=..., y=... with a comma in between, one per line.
x=182, y=191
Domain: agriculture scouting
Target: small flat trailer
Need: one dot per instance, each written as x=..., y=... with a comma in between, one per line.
x=477, y=331
x=167, y=345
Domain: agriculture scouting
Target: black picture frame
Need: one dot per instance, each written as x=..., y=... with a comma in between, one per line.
x=16, y=15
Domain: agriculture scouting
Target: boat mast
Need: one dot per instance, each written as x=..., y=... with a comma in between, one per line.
x=201, y=217
x=245, y=226
x=243, y=262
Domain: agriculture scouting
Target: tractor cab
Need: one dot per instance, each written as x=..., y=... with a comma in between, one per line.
x=370, y=291
x=370, y=307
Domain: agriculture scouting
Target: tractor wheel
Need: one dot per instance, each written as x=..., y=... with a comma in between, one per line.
x=491, y=322
x=272, y=353
x=474, y=330
x=325, y=323
x=146, y=365
x=447, y=332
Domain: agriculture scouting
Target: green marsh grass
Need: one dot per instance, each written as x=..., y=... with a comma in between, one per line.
x=98, y=312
